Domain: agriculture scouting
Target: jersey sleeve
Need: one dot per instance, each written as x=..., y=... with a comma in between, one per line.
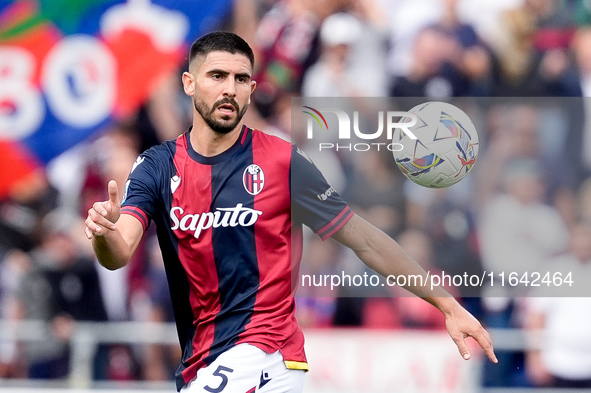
x=141, y=189
x=314, y=202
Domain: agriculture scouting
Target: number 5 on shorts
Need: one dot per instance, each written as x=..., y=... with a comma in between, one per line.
x=219, y=372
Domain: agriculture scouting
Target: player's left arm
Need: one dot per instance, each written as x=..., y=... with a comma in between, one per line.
x=382, y=254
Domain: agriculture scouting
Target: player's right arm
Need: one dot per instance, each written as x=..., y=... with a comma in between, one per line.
x=115, y=237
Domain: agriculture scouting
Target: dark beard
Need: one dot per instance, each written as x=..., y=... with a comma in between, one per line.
x=216, y=125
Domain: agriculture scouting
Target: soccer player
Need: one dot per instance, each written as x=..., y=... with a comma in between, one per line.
x=228, y=202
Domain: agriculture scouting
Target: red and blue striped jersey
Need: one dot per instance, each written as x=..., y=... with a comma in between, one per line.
x=228, y=228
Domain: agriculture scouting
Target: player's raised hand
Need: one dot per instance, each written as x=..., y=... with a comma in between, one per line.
x=102, y=216
x=461, y=324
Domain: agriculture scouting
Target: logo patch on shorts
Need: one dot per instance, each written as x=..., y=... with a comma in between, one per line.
x=264, y=379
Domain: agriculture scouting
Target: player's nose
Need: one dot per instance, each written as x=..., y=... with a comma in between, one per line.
x=230, y=87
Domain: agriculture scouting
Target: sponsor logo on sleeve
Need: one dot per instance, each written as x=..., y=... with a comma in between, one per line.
x=324, y=196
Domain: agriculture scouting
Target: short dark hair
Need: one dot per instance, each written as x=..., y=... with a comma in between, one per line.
x=221, y=41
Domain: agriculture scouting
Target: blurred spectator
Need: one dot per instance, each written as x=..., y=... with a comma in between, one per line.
x=166, y=115
x=61, y=288
x=474, y=60
x=316, y=304
x=353, y=55
x=447, y=59
x=434, y=71
x=375, y=190
x=158, y=361
x=517, y=230
x=447, y=216
x=486, y=16
x=22, y=212
x=517, y=233
x=582, y=51
x=407, y=19
x=369, y=66
x=562, y=357
x=537, y=130
x=112, y=156
x=331, y=75
x=533, y=51
x=13, y=267
x=246, y=18
x=414, y=314
x=584, y=201
x=351, y=302
x=287, y=44
x=582, y=12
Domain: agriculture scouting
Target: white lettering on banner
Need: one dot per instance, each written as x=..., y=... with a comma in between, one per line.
x=22, y=110
x=166, y=28
x=79, y=77
x=222, y=217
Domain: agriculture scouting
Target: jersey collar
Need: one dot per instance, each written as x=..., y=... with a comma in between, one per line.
x=217, y=158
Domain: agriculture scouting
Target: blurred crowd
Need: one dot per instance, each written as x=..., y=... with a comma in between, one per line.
x=527, y=203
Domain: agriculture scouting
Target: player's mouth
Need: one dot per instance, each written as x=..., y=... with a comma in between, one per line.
x=227, y=109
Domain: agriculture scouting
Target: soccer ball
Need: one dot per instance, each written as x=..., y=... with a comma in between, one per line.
x=446, y=147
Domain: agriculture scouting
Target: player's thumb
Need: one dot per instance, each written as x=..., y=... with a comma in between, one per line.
x=462, y=347
x=113, y=193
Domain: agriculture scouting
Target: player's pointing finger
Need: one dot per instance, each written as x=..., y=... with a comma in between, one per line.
x=486, y=344
x=113, y=192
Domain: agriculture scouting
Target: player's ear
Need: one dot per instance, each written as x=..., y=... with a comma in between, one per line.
x=188, y=83
x=253, y=86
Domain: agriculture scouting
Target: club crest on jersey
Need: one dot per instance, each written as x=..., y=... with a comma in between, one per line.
x=253, y=179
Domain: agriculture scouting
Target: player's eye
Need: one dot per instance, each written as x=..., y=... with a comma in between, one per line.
x=241, y=79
